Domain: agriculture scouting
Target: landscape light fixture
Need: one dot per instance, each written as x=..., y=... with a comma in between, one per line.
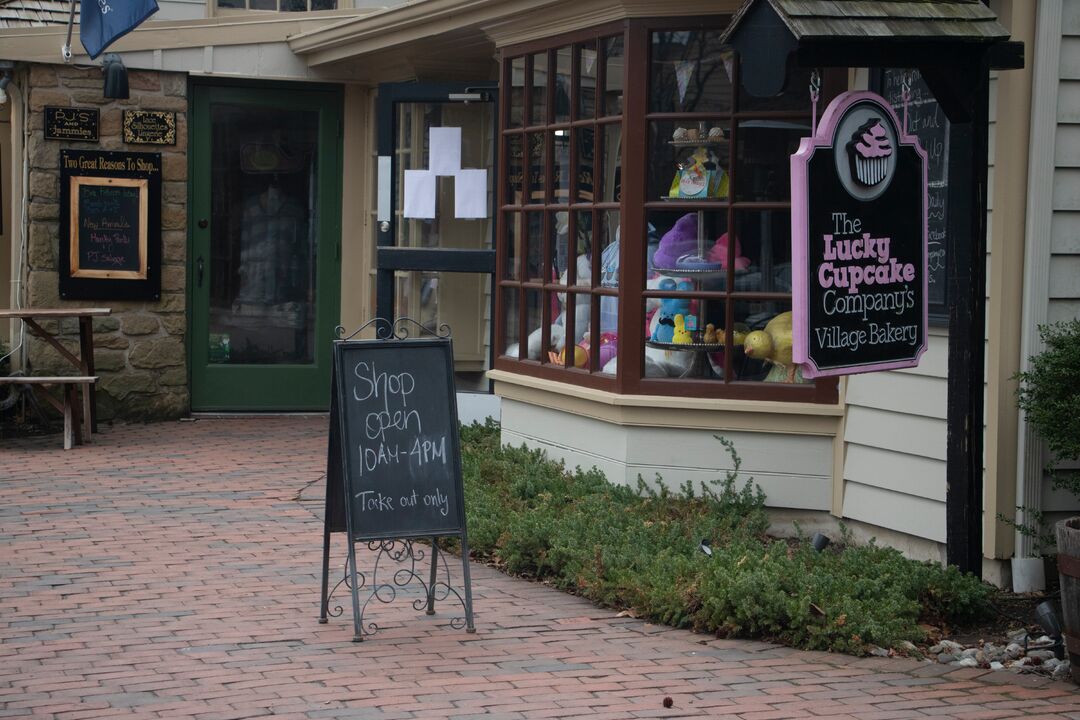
x=116, y=77
x=820, y=541
x=705, y=547
x=1046, y=615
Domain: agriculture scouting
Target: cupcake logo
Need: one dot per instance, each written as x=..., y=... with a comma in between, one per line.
x=870, y=151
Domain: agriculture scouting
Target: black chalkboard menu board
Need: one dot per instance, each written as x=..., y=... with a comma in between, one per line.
x=398, y=437
x=393, y=471
x=110, y=225
x=927, y=121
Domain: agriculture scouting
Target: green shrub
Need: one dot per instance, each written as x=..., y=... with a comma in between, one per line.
x=639, y=548
x=1049, y=396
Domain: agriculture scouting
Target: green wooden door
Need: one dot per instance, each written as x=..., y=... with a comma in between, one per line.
x=264, y=267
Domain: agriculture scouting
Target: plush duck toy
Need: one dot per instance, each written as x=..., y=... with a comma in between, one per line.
x=710, y=337
x=681, y=336
x=773, y=344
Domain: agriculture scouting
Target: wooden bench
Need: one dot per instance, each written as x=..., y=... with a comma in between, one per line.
x=69, y=405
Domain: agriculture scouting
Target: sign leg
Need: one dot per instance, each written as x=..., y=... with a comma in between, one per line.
x=325, y=572
x=469, y=627
x=358, y=635
x=432, y=577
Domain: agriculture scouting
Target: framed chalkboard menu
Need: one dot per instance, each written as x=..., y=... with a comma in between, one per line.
x=394, y=463
x=927, y=121
x=110, y=226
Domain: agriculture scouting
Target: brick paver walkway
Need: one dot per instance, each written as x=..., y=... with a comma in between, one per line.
x=171, y=571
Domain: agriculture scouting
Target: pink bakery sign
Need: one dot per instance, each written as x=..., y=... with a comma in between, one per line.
x=858, y=234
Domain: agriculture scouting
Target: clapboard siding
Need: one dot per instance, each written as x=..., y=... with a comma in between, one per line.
x=1063, y=292
x=1066, y=189
x=1068, y=109
x=1069, y=63
x=918, y=516
x=919, y=476
x=1063, y=310
x=1065, y=233
x=901, y=393
x=914, y=435
x=1065, y=277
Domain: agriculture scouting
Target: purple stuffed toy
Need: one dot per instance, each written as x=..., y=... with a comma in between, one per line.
x=681, y=239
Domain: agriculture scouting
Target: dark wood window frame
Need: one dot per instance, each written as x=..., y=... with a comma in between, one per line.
x=633, y=207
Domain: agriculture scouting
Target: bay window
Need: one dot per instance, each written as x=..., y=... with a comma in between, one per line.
x=644, y=225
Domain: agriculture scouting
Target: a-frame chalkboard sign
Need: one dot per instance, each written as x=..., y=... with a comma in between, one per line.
x=393, y=470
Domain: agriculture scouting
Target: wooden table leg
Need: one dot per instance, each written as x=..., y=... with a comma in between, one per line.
x=89, y=393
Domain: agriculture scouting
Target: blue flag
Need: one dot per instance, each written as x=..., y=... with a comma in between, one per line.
x=102, y=22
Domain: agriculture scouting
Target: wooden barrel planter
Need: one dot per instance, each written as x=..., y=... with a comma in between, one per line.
x=1068, y=545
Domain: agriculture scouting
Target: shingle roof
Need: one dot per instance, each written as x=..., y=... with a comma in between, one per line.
x=35, y=13
x=895, y=19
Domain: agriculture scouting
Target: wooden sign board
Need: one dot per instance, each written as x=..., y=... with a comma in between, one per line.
x=149, y=127
x=72, y=124
x=110, y=233
x=859, y=243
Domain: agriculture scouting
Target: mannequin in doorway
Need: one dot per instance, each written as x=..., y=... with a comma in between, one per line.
x=268, y=237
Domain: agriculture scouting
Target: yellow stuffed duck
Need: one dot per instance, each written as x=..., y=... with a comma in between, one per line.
x=773, y=344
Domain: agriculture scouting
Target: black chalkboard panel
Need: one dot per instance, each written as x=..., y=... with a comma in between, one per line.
x=399, y=444
x=111, y=229
x=927, y=121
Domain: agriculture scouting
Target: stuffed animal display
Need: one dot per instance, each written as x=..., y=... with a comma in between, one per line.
x=664, y=331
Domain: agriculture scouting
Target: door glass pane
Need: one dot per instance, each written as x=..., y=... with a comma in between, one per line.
x=261, y=269
x=413, y=124
x=462, y=302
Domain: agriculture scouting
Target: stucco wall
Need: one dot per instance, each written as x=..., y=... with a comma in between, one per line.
x=139, y=350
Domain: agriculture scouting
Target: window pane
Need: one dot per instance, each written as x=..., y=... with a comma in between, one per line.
x=763, y=251
x=562, y=84
x=263, y=4
x=537, y=168
x=767, y=355
x=586, y=99
x=515, y=170
x=583, y=219
x=688, y=160
x=294, y=5
x=517, y=91
x=534, y=228
x=794, y=96
x=691, y=72
x=614, y=67
x=324, y=4
x=559, y=223
x=515, y=236
x=609, y=240
x=511, y=318
x=611, y=178
x=763, y=161
x=533, y=319
x=561, y=169
x=586, y=159
x=689, y=245
x=538, y=110
x=231, y=3
x=608, y=340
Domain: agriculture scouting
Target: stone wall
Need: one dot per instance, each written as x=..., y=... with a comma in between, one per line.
x=140, y=350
